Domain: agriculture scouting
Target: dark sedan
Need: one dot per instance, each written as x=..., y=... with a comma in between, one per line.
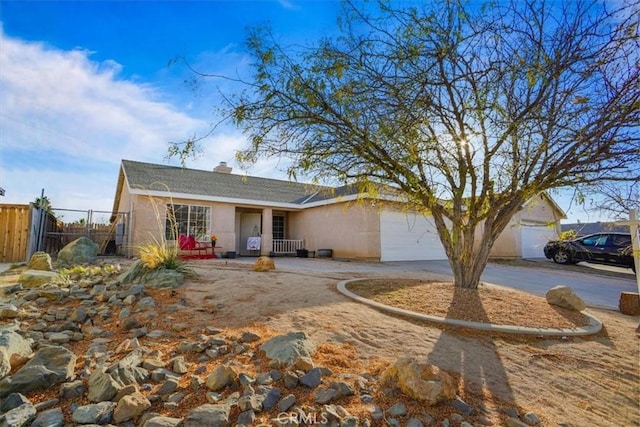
x=601, y=248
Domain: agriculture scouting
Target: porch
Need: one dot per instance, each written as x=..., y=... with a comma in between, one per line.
x=284, y=247
x=264, y=232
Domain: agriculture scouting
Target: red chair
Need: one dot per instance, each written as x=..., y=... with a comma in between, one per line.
x=185, y=243
x=189, y=243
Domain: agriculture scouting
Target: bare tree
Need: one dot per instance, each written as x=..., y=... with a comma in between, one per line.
x=616, y=199
x=467, y=111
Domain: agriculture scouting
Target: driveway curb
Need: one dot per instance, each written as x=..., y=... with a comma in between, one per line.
x=594, y=326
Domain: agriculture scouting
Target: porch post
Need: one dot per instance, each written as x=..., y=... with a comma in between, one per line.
x=267, y=232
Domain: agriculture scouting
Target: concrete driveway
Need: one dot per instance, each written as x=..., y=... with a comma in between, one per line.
x=595, y=287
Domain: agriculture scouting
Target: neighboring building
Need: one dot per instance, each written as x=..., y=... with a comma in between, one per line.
x=288, y=216
x=582, y=229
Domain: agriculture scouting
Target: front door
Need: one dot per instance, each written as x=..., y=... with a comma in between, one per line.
x=249, y=227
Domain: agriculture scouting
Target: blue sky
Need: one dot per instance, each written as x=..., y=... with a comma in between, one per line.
x=86, y=84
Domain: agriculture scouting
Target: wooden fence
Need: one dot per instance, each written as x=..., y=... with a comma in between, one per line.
x=15, y=222
x=25, y=229
x=23, y=232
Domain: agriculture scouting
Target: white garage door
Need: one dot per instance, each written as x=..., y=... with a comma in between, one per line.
x=534, y=237
x=408, y=237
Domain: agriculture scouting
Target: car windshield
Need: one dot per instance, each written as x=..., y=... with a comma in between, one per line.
x=597, y=240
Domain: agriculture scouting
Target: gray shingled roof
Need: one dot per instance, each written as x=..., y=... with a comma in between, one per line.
x=154, y=177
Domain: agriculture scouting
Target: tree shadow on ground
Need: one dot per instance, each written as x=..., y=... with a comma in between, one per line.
x=476, y=359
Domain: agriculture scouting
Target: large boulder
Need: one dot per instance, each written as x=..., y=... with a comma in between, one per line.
x=37, y=278
x=132, y=274
x=264, y=263
x=80, y=251
x=420, y=381
x=161, y=278
x=564, y=296
x=287, y=348
x=48, y=367
x=14, y=349
x=40, y=261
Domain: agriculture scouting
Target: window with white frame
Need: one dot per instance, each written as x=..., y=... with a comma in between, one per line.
x=191, y=220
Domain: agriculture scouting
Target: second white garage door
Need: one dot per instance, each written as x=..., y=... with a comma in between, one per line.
x=534, y=237
x=408, y=237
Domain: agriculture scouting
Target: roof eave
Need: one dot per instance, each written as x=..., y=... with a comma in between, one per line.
x=116, y=199
x=204, y=198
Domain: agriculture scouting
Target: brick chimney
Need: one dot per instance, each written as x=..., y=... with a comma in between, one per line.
x=222, y=168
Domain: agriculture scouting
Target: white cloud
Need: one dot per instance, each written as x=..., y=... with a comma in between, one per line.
x=77, y=105
x=66, y=121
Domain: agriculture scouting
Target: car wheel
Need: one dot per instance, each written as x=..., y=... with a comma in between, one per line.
x=562, y=257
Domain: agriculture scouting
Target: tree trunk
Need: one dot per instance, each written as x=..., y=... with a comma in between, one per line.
x=467, y=268
x=466, y=259
x=467, y=272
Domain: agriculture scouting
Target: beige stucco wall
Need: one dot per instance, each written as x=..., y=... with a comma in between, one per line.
x=507, y=245
x=147, y=226
x=125, y=200
x=223, y=225
x=350, y=228
x=148, y=219
x=538, y=211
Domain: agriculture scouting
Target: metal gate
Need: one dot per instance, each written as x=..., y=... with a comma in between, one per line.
x=104, y=228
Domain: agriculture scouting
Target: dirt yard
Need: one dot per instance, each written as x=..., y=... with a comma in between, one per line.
x=592, y=381
x=567, y=381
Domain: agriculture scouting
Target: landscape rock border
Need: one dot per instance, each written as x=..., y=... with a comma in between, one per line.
x=593, y=327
